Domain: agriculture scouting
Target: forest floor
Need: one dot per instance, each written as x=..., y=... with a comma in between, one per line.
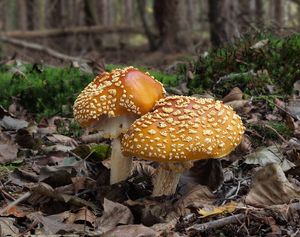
x=55, y=177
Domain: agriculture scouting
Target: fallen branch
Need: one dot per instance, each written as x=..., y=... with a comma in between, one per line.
x=41, y=48
x=218, y=223
x=73, y=30
x=238, y=218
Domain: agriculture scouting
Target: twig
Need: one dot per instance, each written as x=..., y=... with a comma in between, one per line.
x=41, y=48
x=16, y=202
x=277, y=133
x=218, y=223
x=33, y=34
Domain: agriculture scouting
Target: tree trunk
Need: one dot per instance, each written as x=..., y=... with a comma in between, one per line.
x=150, y=36
x=278, y=12
x=245, y=15
x=223, y=18
x=22, y=12
x=90, y=14
x=128, y=12
x=167, y=22
x=259, y=12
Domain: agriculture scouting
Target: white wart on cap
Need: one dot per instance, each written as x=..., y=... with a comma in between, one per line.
x=184, y=129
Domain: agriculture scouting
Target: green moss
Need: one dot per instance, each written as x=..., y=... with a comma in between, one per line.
x=275, y=61
x=47, y=91
x=268, y=133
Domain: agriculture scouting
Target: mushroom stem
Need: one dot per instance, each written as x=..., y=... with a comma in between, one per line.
x=120, y=165
x=167, y=177
x=165, y=182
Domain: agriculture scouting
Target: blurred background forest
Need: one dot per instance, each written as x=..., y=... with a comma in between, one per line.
x=147, y=32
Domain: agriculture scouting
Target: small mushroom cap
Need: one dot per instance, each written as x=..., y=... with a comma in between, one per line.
x=121, y=92
x=184, y=128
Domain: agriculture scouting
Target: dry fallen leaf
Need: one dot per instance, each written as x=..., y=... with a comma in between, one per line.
x=84, y=215
x=114, y=214
x=205, y=172
x=7, y=227
x=267, y=155
x=215, y=210
x=10, y=123
x=52, y=226
x=130, y=231
x=197, y=197
x=58, y=138
x=270, y=187
x=240, y=106
x=234, y=94
x=8, y=149
x=260, y=44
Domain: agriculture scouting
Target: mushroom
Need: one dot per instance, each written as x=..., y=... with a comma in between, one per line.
x=110, y=104
x=181, y=130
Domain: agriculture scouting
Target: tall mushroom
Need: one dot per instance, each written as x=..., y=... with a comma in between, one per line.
x=180, y=130
x=110, y=104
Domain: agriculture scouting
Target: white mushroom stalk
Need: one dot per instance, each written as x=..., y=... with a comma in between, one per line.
x=167, y=177
x=181, y=130
x=110, y=103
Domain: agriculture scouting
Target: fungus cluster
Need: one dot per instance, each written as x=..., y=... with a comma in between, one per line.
x=180, y=130
x=111, y=102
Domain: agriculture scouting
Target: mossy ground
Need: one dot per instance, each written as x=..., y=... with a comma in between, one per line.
x=251, y=63
x=46, y=91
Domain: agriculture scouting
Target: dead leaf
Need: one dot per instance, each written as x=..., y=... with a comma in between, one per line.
x=294, y=108
x=43, y=189
x=57, y=175
x=130, y=231
x=58, y=138
x=14, y=211
x=204, y=172
x=195, y=198
x=84, y=215
x=26, y=140
x=268, y=155
x=234, y=94
x=52, y=226
x=240, y=106
x=10, y=123
x=216, y=210
x=8, y=149
x=58, y=147
x=114, y=214
x=270, y=187
x=260, y=44
x=7, y=227
x=4, y=112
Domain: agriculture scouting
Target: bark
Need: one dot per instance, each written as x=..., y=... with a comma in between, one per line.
x=128, y=12
x=167, y=22
x=223, y=18
x=191, y=13
x=278, y=12
x=90, y=14
x=245, y=15
x=22, y=12
x=150, y=36
x=259, y=12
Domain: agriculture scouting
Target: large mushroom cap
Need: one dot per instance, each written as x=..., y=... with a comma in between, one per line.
x=125, y=91
x=183, y=129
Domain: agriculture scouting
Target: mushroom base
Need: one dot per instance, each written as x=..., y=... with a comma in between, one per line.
x=167, y=176
x=121, y=165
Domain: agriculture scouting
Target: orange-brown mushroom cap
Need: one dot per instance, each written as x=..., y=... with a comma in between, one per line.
x=184, y=129
x=121, y=92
